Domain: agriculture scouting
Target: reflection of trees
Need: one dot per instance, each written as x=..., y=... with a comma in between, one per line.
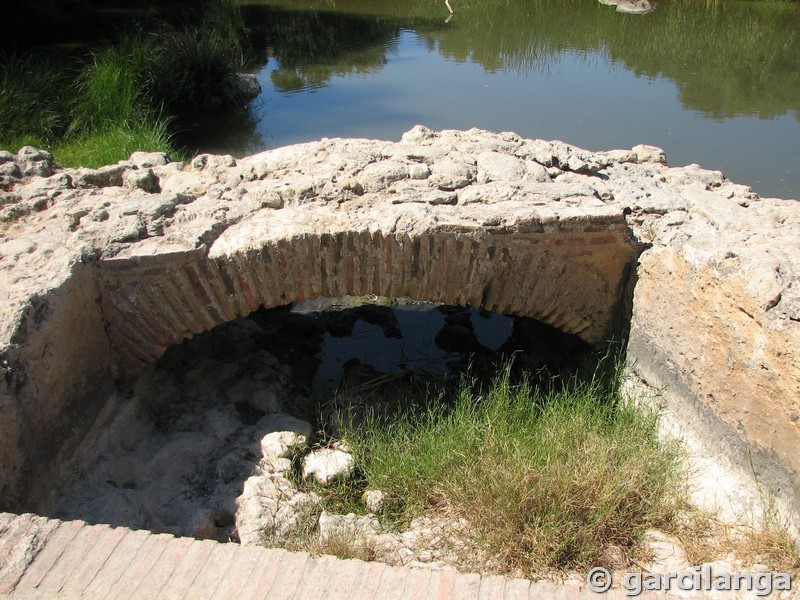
x=727, y=58
x=312, y=47
x=234, y=132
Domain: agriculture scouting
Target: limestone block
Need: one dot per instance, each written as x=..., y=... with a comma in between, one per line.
x=327, y=465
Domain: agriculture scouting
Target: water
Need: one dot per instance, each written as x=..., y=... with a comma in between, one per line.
x=712, y=82
x=404, y=337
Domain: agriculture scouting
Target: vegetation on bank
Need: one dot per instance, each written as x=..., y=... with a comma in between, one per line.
x=119, y=99
x=563, y=478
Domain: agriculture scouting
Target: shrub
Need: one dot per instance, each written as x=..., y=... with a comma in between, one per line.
x=197, y=68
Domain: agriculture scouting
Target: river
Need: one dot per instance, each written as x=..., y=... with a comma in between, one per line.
x=712, y=82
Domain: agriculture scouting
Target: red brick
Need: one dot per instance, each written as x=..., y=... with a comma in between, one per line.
x=417, y=583
x=318, y=574
x=234, y=579
x=5, y=520
x=263, y=574
x=187, y=570
x=392, y=583
x=161, y=573
x=492, y=587
x=72, y=558
x=209, y=577
x=517, y=589
x=53, y=549
x=345, y=581
x=369, y=578
x=288, y=576
x=115, y=565
x=541, y=589
x=467, y=587
x=17, y=557
x=17, y=530
x=94, y=560
x=442, y=585
x=132, y=574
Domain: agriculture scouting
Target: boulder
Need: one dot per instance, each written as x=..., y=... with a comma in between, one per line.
x=282, y=435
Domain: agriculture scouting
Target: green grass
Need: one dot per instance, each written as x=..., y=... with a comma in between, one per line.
x=118, y=100
x=33, y=92
x=112, y=89
x=547, y=480
x=112, y=143
x=89, y=114
x=111, y=111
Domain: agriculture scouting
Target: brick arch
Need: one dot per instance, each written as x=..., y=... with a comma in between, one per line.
x=568, y=275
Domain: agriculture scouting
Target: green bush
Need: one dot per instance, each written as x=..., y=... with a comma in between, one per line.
x=196, y=68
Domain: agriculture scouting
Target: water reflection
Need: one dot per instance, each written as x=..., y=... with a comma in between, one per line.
x=711, y=82
x=727, y=58
x=310, y=48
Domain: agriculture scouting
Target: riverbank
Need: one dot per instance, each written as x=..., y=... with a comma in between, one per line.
x=119, y=99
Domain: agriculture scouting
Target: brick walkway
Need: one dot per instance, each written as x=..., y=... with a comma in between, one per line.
x=43, y=558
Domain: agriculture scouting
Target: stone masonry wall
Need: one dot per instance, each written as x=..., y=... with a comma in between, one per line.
x=136, y=257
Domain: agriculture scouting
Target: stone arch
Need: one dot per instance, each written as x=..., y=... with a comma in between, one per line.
x=567, y=274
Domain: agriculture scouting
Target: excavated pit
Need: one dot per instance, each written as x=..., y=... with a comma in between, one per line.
x=175, y=447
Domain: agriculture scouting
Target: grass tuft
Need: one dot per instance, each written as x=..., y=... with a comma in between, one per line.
x=555, y=479
x=111, y=90
x=32, y=95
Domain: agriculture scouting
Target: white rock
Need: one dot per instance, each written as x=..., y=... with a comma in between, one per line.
x=494, y=166
x=450, y=174
x=282, y=435
x=326, y=465
x=148, y=159
x=281, y=444
x=650, y=154
x=275, y=464
x=271, y=507
x=668, y=555
x=374, y=500
x=349, y=525
x=143, y=179
x=631, y=7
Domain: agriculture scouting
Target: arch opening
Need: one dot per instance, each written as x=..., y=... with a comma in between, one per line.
x=179, y=444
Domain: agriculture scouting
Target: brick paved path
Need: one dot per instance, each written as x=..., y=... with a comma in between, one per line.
x=43, y=558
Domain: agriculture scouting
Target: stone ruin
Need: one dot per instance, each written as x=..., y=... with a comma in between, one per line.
x=102, y=270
